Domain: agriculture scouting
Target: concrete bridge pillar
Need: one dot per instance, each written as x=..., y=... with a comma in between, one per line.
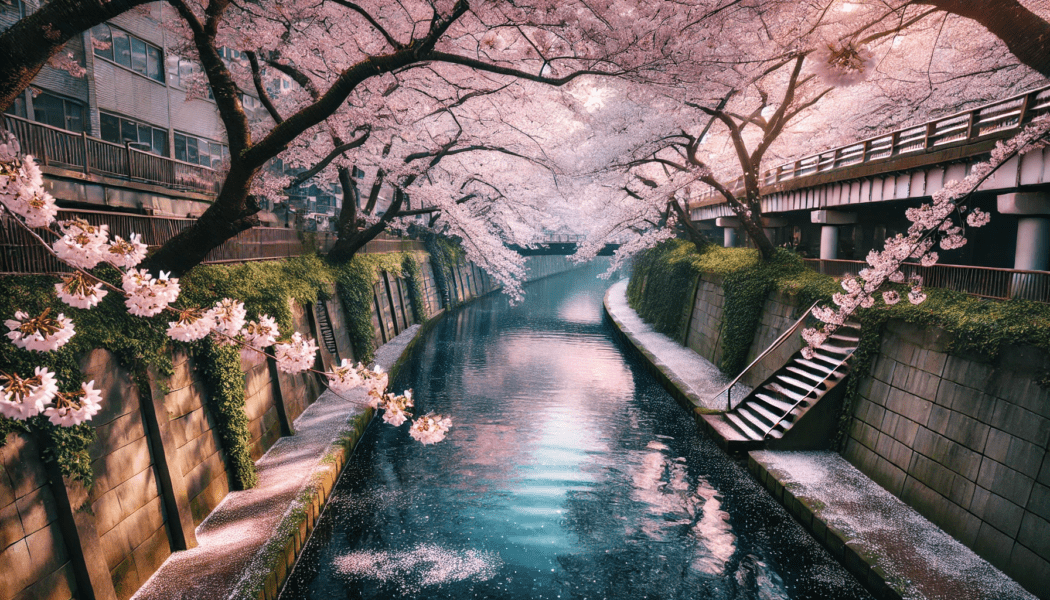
x=729, y=226
x=1033, y=229
x=829, y=233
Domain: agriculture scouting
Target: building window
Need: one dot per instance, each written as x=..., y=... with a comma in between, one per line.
x=58, y=112
x=127, y=50
x=199, y=151
x=141, y=136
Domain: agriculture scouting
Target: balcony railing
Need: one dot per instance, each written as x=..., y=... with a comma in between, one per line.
x=983, y=282
x=990, y=122
x=56, y=147
x=21, y=254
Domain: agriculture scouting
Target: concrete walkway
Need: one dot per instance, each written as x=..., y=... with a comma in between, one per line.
x=885, y=543
x=696, y=379
x=250, y=541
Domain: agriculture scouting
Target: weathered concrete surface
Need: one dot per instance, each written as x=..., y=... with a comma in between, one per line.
x=250, y=541
x=881, y=540
x=694, y=377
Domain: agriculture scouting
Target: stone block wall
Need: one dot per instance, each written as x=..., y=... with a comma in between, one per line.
x=704, y=334
x=125, y=498
x=964, y=441
x=200, y=459
x=158, y=465
x=778, y=314
x=33, y=556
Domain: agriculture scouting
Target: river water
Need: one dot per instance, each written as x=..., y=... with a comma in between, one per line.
x=569, y=473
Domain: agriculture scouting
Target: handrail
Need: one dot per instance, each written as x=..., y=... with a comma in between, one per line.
x=983, y=122
x=807, y=394
x=776, y=344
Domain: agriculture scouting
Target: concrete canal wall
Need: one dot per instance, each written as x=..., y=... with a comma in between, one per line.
x=962, y=439
x=157, y=459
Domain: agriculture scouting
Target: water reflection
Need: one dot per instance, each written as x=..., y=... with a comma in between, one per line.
x=569, y=473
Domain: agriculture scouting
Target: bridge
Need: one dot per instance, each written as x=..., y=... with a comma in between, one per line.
x=562, y=244
x=847, y=200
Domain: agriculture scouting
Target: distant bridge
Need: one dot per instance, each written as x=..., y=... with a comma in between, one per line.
x=560, y=244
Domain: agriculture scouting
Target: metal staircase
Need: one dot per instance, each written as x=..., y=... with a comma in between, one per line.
x=780, y=404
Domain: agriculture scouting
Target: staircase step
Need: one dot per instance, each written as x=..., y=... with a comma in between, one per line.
x=816, y=366
x=804, y=373
x=778, y=405
x=848, y=338
x=766, y=414
x=837, y=349
x=754, y=420
x=801, y=386
x=779, y=390
x=743, y=427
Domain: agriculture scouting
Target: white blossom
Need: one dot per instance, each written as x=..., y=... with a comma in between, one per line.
x=430, y=428
x=128, y=253
x=344, y=377
x=82, y=245
x=76, y=408
x=228, y=317
x=25, y=398
x=78, y=292
x=297, y=355
x=261, y=334
x=148, y=296
x=42, y=333
x=891, y=297
x=192, y=325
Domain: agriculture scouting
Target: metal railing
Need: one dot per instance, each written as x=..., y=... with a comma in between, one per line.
x=991, y=121
x=983, y=282
x=785, y=336
x=21, y=254
x=52, y=146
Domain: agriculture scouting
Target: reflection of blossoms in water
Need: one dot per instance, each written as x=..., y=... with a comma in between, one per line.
x=664, y=485
x=425, y=565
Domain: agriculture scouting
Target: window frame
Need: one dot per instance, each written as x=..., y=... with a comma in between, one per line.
x=126, y=47
x=158, y=136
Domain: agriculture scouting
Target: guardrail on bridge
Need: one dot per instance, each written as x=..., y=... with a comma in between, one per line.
x=985, y=123
x=983, y=282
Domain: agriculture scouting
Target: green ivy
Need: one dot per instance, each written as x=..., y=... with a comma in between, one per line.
x=414, y=278
x=355, y=280
x=977, y=327
x=444, y=256
x=137, y=343
x=221, y=367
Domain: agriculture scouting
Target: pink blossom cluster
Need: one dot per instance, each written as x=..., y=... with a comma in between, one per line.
x=43, y=333
x=148, y=296
x=939, y=222
x=430, y=428
x=84, y=245
x=78, y=291
x=22, y=185
x=297, y=355
x=395, y=408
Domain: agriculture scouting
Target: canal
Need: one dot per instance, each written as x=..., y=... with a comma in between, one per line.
x=568, y=473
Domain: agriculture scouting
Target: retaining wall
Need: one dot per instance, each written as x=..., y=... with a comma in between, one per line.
x=157, y=459
x=962, y=439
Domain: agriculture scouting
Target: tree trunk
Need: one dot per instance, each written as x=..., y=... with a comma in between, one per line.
x=232, y=212
x=26, y=47
x=694, y=235
x=1024, y=32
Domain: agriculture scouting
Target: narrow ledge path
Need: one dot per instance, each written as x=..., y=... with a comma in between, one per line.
x=247, y=545
x=886, y=544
